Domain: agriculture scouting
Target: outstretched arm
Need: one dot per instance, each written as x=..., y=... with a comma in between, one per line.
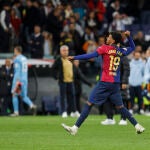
x=84, y=56
x=131, y=48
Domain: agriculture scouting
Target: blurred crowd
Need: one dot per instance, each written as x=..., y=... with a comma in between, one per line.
x=42, y=27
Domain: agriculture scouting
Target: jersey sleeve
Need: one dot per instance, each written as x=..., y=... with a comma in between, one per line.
x=86, y=56
x=101, y=50
x=128, y=50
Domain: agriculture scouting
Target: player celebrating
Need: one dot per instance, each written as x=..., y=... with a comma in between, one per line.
x=20, y=81
x=108, y=86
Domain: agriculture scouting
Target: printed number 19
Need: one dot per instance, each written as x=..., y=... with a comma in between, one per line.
x=114, y=63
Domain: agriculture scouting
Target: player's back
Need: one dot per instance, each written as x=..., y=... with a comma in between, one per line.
x=111, y=63
x=21, y=67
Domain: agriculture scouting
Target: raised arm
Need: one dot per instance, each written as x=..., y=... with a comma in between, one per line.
x=128, y=50
x=84, y=56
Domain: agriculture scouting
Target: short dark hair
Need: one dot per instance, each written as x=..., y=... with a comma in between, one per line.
x=18, y=48
x=116, y=36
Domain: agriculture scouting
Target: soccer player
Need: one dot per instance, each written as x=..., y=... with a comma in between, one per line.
x=20, y=81
x=108, y=86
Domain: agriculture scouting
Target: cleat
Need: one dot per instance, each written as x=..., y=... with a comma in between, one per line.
x=15, y=114
x=72, y=130
x=142, y=112
x=64, y=115
x=139, y=128
x=123, y=122
x=131, y=111
x=108, y=122
x=75, y=114
x=33, y=109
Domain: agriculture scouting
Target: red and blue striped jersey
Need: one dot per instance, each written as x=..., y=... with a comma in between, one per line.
x=111, y=57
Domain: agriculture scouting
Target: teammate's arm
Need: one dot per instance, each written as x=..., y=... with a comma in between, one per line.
x=84, y=56
x=131, y=48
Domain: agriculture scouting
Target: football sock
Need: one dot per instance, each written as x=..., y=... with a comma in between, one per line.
x=128, y=115
x=27, y=101
x=85, y=112
x=15, y=103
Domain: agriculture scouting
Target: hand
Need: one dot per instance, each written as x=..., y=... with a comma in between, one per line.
x=124, y=86
x=6, y=30
x=127, y=33
x=70, y=58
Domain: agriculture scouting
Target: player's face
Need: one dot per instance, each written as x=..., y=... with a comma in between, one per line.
x=64, y=52
x=110, y=40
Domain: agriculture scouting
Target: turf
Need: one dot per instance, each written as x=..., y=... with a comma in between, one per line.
x=45, y=133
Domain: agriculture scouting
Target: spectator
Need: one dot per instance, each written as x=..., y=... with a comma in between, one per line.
x=117, y=23
x=5, y=28
x=36, y=43
x=99, y=9
x=91, y=20
x=45, y=11
x=48, y=43
x=6, y=77
x=63, y=72
x=32, y=10
x=56, y=3
x=78, y=79
x=136, y=79
x=68, y=11
x=16, y=6
x=147, y=67
x=139, y=40
x=89, y=35
x=114, y=7
x=78, y=28
x=67, y=39
x=55, y=24
x=76, y=38
x=16, y=26
x=79, y=7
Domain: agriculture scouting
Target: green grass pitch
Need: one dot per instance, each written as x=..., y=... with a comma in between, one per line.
x=46, y=133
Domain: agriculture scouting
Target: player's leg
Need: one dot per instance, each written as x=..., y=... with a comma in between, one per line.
x=15, y=106
x=117, y=100
x=123, y=120
x=71, y=100
x=97, y=96
x=140, y=99
x=132, y=97
x=25, y=98
x=62, y=89
x=108, y=109
x=84, y=114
